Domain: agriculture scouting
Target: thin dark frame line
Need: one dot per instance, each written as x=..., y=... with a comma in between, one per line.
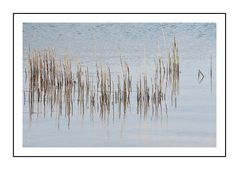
x=225, y=15
x=143, y=13
x=120, y=156
x=225, y=84
x=13, y=86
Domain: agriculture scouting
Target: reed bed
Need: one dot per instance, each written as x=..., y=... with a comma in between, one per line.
x=52, y=83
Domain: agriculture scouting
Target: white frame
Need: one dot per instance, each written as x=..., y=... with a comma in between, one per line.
x=219, y=150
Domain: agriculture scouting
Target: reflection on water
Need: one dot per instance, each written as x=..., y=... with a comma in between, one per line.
x=119, y=84
x=53, y=86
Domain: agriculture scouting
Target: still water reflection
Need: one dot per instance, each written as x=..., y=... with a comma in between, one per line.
x=119, y=85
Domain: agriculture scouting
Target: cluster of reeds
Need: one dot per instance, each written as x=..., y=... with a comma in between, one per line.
x=42, y=75
x=159, y=85
x=68, y=85
x=85, y=89
x=164, y=75
x=80, y=87
x=104, y=87
x=46, y=81
x=142, y=94
x=125, y=93
x=52, y=82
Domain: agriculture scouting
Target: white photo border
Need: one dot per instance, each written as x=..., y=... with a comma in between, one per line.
x=20, y=151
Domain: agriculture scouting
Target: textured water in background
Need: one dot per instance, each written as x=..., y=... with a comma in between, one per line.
x=191, y=123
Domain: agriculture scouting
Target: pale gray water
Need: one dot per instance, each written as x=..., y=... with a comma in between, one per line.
x=191, y=124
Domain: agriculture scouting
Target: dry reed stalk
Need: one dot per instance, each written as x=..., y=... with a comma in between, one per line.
x=113, y=96
x=119, y=90
x=124, y=95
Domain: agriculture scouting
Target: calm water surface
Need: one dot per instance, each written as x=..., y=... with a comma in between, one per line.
x=191, y=123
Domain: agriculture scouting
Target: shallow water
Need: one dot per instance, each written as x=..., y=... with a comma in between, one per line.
x=192, y=123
